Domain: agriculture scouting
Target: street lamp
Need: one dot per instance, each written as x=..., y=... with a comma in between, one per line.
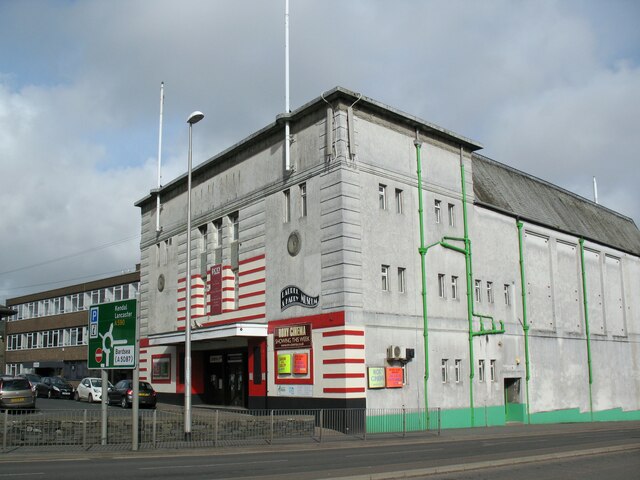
x=195, y=117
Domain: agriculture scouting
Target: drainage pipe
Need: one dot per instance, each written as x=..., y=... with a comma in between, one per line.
x=525, y=321
x=469, y=271
x=586, y=325
x=423, y=252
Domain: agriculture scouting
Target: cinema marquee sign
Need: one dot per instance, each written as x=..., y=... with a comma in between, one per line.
x=292, y=295
x=292, y=336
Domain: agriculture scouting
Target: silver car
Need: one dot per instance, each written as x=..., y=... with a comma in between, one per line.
x=16, y=393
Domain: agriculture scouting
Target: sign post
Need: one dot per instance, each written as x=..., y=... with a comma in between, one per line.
x=112, y=344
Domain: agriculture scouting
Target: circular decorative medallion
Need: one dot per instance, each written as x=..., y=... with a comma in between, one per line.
x=161, y=282
x=294, y=243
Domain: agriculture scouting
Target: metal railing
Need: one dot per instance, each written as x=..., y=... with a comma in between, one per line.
x=82, y=429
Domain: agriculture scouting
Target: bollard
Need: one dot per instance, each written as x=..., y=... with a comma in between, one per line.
x=271, y=432
x=153, y=428
x=84, y=430
x=4, y=436
x=215, y=430
x=404, y=422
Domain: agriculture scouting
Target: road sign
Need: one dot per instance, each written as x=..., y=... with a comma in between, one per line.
x=112, y=335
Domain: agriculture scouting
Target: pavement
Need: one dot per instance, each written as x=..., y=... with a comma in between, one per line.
x=449, y=435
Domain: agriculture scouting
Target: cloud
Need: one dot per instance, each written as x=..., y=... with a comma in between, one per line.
x=549, y=87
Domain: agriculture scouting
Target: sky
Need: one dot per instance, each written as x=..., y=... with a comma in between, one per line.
x=548, y=87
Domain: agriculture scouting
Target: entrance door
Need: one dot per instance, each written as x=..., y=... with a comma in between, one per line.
x=513, y=407
x=214, y=382
x=236, y=367
x=226, y=381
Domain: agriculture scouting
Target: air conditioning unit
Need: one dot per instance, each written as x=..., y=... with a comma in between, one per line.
x=396, y=352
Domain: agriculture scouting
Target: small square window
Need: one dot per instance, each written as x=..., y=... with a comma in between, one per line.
x=437, y=210
x=452, y=215
x=454, y=287
x=303, y=199
x=287, y=206
x=492, y=370
x=458, y=370
x=382, y=196
x=445, y=370
x=441, y=286
x=507, y=294
x=402, y=280
x=385, y=277
x=478, y=290
x=490, y=292
x=481, y=370
x=399, y=201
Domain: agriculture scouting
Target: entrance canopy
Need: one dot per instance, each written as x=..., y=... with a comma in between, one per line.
x=212, y=333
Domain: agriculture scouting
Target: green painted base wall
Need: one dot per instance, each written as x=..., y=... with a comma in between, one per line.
x=574, y=415
x=489, y=417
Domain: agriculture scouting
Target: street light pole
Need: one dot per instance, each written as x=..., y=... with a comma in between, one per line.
x=195, y=117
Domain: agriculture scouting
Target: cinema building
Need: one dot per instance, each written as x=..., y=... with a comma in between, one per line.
x=307, y=273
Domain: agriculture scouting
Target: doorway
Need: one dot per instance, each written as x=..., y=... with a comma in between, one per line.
x=226, y=378
x=513, y=407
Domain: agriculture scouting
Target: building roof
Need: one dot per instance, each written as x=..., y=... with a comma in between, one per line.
x=336, y=94
x=499, y=187
x=121, y=279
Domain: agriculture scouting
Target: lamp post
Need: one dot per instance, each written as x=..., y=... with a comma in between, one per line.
x=195, y=117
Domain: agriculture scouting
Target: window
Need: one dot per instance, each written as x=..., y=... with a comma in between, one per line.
x=445, y=370
x=399, y=201
x=452, y=215
x=161, y=368
x=235, y=230
x=458, y=369
x=441, y=291
x=118, y=293
x=490, y=292
x=236, y=289
x=481, y=370
x=287, y=206
x=303, y=199
x=217, y=226
x=454, y=287
x=382, y=196
x=507, y=294
x=438, y=210
x=492, y=370
x=204, y=239
x=385, y=277
x=478, y=288
x=401, y=280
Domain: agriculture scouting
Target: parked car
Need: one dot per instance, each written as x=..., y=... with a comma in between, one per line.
x=54, y=387
x=90, y=389
x=16, y=393
x=122, y=394
x=34, y=379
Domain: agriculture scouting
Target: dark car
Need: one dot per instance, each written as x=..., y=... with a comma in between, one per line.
x=16, y=393
x=34, y=379
x=122, y=394
x=54, y=387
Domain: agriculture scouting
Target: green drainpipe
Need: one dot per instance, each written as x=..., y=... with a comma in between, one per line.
x=525, y=322
x=586, y=325
x=469, y=269
x=423, y=251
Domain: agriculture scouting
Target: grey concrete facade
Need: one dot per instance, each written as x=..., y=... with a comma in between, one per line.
x=358, y=237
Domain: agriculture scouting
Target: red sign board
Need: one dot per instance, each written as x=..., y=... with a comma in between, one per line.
x=215, y=290
x=301, y=363
x=394, y=377
x=98, y=355
x=292, y=336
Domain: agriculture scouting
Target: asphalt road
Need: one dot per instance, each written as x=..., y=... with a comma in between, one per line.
x=611, y=466
x=554, y=447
